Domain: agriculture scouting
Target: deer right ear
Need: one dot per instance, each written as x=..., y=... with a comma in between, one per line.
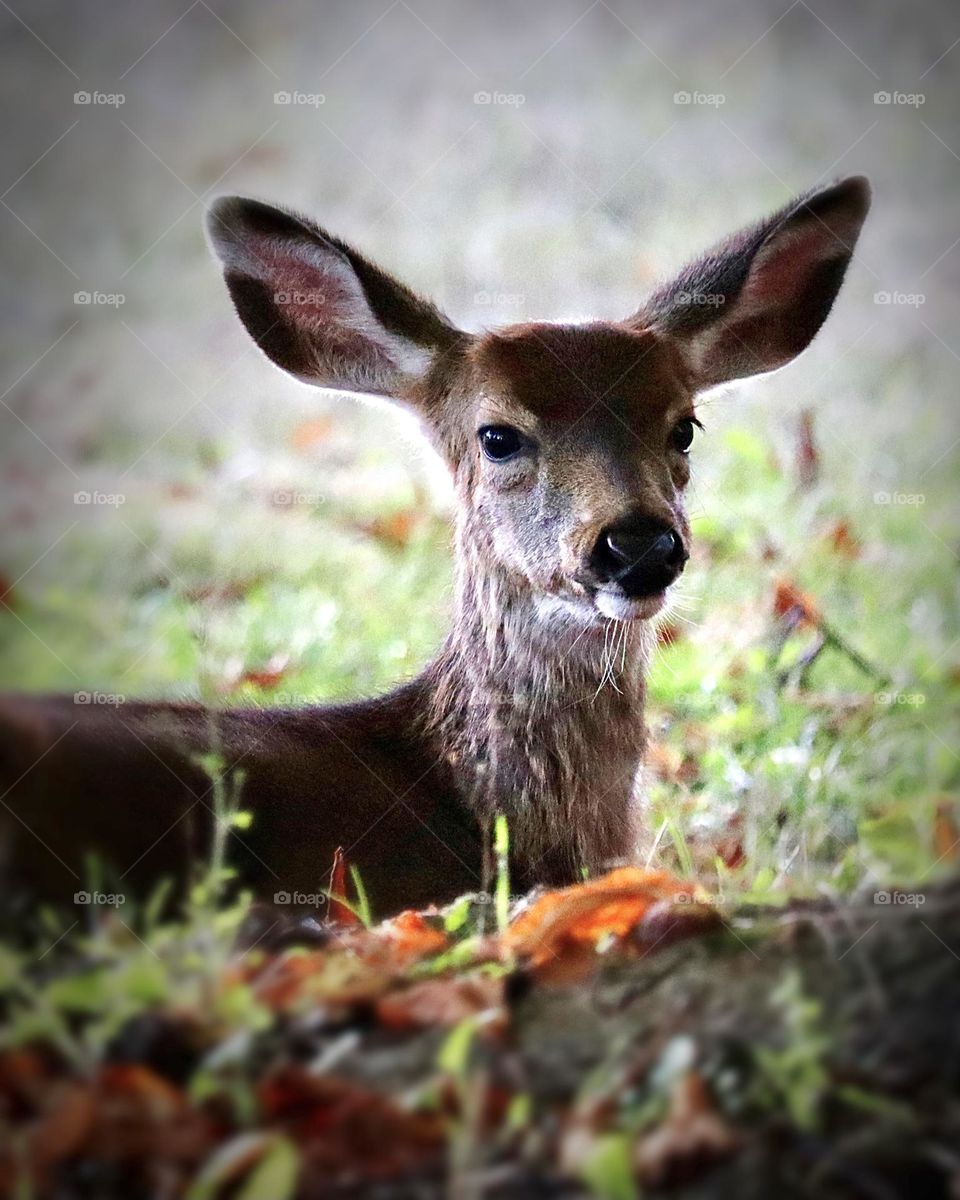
x=318, y=309
x=756, y=301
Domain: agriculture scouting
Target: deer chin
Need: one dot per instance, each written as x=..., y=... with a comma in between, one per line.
x=619, y=607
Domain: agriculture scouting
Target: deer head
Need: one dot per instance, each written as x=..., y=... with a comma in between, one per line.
x=568, y=443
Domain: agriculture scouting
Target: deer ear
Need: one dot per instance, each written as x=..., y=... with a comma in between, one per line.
x=756, y=301
x=318, y=309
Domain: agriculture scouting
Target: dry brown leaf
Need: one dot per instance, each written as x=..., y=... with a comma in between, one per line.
x=343, y=1128
x=693, y=1136
x=411, y=937
x=394, y=529
x=442, y=1002
x=789, y=599
x=842, y=540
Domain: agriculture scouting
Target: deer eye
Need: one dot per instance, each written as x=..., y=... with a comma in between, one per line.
x=682, y=436
x=502, y=442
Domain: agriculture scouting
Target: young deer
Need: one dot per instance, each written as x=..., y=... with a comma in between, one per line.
x=568, y=449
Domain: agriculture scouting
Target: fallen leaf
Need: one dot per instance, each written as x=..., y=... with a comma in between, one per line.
x=841, y=539
x=345, y=1130
x=412, y=937
x=270, y=675
x=693, y=1136
x=312, y=433
x=575, y=919
x=788, y=599
x=441, y=1003
x=394, y=529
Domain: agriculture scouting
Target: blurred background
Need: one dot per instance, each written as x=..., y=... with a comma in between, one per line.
x=178, y=518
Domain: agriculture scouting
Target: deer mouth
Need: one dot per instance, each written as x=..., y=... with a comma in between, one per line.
x=618, y=606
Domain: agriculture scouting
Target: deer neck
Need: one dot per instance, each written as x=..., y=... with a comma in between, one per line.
x=539, y=713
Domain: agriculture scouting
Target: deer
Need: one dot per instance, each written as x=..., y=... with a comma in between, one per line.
x=568, y=447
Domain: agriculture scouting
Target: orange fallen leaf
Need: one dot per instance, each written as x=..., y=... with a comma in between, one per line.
x=269, y=675
x=395, y=529
x=412, y=937
x=312, y=433
x=788, y=598
x=577, y=918
x=842, y=540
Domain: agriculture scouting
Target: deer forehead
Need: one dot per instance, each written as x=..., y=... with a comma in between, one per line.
x=604, y=378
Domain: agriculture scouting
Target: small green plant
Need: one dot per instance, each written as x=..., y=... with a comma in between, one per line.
x=796, y=1075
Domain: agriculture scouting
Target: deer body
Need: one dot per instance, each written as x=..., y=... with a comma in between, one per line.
x=567, y=445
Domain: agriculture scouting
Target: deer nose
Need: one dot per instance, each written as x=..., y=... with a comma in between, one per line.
x=642, y=555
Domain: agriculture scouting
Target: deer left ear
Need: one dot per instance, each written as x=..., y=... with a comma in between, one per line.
x=756, y=301
x=319, y=309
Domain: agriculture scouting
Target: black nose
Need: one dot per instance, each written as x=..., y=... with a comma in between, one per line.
x=642, y=555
